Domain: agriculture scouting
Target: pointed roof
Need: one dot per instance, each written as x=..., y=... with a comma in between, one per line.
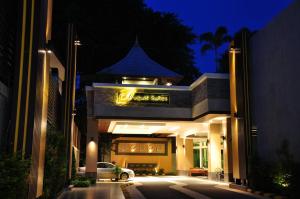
x=138, y=64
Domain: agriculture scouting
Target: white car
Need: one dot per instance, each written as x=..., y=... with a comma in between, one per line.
x=105, y=170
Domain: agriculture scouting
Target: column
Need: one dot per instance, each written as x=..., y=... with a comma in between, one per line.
x=227, y=151
x=184, y=155
x=214, y=150
x=91, y=148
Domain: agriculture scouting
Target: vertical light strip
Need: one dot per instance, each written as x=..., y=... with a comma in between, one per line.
x=20, y=77
x=28, y=79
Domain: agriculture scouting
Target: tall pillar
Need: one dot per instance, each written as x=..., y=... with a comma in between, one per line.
x=214, y=150
x=91, y=148
x=227, y=143
x=184, y=155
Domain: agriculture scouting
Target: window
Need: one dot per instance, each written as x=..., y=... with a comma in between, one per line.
x=109, y=165
x=101, y=165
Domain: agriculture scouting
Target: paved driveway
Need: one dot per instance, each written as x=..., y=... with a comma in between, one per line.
x=174, y=187
x=99, y=191
x=163, y=187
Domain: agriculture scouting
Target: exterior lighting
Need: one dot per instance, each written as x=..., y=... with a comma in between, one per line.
x=77, y=43
x=49, y=51
x=125, y=96
x=168, y=84
x=174, y=128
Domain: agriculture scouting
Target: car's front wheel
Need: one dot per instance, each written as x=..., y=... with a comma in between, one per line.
x=124, y=176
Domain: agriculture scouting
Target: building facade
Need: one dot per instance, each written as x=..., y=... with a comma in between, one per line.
x=153, y=123
x=36, y=90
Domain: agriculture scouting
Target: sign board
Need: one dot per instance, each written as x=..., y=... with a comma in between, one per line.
x=125, y=96
x=142, y=148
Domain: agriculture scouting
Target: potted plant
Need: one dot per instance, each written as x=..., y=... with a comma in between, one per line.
x=117, y=171
x=161, y=171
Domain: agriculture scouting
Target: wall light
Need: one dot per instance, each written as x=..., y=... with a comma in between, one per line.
x=207, y=141
x=237, y=115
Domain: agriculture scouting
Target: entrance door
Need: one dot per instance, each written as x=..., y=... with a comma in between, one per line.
x=200, y=154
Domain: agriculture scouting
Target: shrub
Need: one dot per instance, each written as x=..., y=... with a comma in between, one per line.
x=161, y=171
x=117, y=171
x=81, y=183
x=55, y=164
x=14, y=174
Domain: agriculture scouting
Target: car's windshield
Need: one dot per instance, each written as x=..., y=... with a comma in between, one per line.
x=108, y=165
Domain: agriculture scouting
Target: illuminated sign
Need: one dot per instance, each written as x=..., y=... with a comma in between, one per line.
x=124, y=96
x=151, y=98
x=141, y=148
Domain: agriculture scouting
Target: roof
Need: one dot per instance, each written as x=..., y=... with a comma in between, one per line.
x=138, y=64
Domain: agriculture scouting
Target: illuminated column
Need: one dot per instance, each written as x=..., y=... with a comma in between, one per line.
x=214, y=150
x=91, y=148
x=237, y=125
x=184, y=155
x=227, y=143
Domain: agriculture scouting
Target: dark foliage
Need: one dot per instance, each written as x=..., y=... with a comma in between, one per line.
x=14, y=173
x=55, y=165
x=212, y=41
x=107, y=30
x=280, y=176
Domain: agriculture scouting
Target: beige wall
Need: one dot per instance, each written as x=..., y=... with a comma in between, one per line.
x=164, y=162
x=214, y=150
x=91, y=147
x=184, y=155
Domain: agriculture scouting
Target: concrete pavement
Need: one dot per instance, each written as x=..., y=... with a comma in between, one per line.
x=99, y=191
x=161, y=187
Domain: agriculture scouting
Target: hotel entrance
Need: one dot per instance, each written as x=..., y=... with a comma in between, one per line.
x=154, y=125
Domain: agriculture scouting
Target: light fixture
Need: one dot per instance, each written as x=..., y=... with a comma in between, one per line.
x=237, y=115
x=174, y=128
x=235, y=50
x=74, y=112
x=168, y=84
x=207, y=141
x=77, y=43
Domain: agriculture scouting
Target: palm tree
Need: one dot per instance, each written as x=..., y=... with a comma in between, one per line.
x=213, y=41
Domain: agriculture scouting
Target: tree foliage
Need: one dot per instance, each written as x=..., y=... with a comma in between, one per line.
x=108, y=28
x=213, y=41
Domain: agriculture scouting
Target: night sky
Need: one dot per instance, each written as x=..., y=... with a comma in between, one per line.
x=207, y=15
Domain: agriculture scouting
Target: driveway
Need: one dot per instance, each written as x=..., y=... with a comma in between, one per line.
x=99, y=191
x=160, y=187
x=179, y=187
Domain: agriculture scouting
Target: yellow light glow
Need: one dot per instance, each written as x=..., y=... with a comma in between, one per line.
x=92, y=147
x=125, y=96
x=174, y=128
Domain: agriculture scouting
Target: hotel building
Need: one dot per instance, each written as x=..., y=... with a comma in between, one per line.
x=152, y=122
